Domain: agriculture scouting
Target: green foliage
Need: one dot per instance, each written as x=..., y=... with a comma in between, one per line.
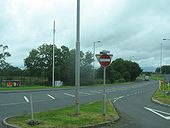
x=9, y=70
x=121, y=70
x=39, y=63
x=3, y=55
x=164, y=69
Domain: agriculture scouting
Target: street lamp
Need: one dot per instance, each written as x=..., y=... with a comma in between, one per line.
x=161, y=56
x=94, y=45
x=53, y=78
x=131, y=67
x=77, y=65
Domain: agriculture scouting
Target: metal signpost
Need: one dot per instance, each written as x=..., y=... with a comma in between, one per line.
x=104, y=59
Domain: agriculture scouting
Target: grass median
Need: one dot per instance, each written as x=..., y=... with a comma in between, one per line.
x=160, y=96
x=65, y=117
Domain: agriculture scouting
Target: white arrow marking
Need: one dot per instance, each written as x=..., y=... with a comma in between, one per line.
x=51, y=97
x=26, y=99
x=159, y=113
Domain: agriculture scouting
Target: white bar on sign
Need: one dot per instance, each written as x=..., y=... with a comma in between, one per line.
x=104, y=60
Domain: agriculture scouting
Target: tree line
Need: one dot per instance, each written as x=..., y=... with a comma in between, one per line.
x=38, y=64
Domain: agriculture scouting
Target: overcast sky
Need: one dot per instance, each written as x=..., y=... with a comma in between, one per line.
x=125, y=27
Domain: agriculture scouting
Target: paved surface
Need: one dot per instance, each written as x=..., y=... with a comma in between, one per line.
x=130, y=99
x=134, y=113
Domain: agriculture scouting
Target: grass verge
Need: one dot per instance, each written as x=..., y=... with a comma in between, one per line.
x=26, y=88
x=158, y=95
x=65, y=117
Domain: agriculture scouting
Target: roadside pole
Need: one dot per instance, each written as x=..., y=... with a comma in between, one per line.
x=31, y=105
x=77, y=65
x=104, y=91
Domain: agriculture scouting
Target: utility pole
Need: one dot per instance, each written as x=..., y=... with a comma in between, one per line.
x=161, y=60
x=53, y=53
x=77, y=68
x=94, y=46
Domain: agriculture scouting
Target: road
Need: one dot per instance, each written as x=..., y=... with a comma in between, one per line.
x=132, y=101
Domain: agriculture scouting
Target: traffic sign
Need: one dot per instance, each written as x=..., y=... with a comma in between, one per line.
x=104, y=60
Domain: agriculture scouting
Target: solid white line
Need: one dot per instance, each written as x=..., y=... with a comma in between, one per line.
x=13, y=104
x=85, y=93
x=50, y=96
x=156, y=112
x=69, y=94
x=26, y=99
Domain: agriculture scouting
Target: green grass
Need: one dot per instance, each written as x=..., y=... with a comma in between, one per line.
x=26, y=88
x=65, y=117
x=160, y=96
x=156, y=77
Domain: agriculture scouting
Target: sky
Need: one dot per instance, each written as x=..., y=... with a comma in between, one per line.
x=129, y=29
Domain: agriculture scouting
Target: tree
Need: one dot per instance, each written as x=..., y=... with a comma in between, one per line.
x=39, y=63
x=166, y=69
x=3, y=55
x=121, y=70
x=10, y=70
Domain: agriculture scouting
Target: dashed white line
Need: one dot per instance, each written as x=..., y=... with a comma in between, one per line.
x=26, y=99
x=95, y=92
x=69, y=94
x=85, y=93
x=50, y=96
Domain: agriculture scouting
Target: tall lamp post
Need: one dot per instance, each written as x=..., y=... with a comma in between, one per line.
x=94, y=45
x=161, y=57
x=53, y=53
x=77, y=65
x=131, y=67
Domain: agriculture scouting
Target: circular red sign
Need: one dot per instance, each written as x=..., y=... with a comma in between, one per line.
x=104, y=60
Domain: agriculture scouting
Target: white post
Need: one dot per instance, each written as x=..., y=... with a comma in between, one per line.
x=77, y=68
x=104, y=91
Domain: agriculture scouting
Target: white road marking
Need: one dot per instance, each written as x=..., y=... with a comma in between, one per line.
x=50, y=96
x=13, y=104
x=69, y=94
x=95, y=92
x=159, y=113
x=85, y=93
x=26, y=99
x=115, y=99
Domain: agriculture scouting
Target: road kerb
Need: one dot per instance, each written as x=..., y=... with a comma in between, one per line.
x=6, y=124
x=159, y=102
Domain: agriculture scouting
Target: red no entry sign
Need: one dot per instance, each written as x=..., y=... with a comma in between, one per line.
x=104, y=60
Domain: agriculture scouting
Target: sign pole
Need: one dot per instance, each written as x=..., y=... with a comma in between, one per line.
x=104, y=60
x=104, y=91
